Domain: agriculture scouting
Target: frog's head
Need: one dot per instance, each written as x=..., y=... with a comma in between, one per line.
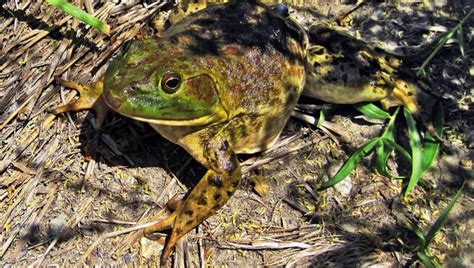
x=159, y=82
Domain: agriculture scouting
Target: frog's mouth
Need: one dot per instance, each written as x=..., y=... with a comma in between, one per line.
x=164, y=114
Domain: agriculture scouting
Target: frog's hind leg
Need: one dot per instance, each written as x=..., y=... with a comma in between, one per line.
x=90, y=98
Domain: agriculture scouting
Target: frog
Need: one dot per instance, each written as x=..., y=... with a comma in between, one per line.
x=220, y=82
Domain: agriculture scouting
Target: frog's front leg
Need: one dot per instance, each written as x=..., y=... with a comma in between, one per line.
x=90, y=98
x=210, y=147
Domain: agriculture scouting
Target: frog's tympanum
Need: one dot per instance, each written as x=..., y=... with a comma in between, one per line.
x=220, y=82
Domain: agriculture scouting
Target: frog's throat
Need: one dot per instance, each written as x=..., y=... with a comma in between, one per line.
x=218, y=115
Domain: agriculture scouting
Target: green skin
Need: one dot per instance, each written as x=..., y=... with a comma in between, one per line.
x=240, y=70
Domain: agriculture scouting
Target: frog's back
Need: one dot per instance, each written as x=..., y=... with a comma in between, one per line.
x=256, y=57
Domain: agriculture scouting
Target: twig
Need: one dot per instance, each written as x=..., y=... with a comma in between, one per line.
x=267, y=244
x=251, y=164
x=115, y=222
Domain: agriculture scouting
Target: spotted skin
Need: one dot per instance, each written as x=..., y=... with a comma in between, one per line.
x=346, y=71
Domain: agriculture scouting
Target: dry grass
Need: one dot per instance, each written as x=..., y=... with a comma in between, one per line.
x=70, y=193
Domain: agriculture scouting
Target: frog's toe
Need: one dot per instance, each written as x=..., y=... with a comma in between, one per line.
x=403, y=94
x=165, y=224
x=90, y=98
x=178, y=225
x=407, y=94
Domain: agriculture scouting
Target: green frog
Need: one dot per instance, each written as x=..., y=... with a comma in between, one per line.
x=220, y=82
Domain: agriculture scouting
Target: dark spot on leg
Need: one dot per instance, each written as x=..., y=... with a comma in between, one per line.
x=178, y=231
x=202, y=201
x=216, y=207
x=224, y=145
x=235, y=183
x=190, y=222
x=216, y=181
x=188, y=213
x=229, y=193
x=230, y=165
x=217, y=197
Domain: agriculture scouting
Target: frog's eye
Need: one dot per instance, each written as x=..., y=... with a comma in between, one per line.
x=170, y=82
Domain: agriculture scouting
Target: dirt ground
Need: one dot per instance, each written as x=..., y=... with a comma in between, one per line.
x=72, y=194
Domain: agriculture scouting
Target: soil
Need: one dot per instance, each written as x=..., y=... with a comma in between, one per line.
x=72, y=194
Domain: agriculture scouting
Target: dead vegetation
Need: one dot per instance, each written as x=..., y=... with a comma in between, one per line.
x=70, y=193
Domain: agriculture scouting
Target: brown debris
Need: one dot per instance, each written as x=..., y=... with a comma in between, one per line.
x=70, y=194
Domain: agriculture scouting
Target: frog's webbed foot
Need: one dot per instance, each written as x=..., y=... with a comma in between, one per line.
x=90, y=98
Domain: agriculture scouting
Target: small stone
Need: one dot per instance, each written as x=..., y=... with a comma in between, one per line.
x=57, y=224
x=149, y=248
x=344, y=187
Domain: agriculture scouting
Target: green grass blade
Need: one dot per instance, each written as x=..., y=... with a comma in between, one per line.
x=382, y=154
x=436, y=263
x=372, y=111
x=397, y=147
x=421, y=237
x=431, y=147
x=80, y=15
x=461, y=41
x=416, y=152
x=439, y=42
x=421, y=252
x=442, y=217
x=384, y=150
x=351, y=163
x=424, y=259
x=389, y=129
x=322, y=118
